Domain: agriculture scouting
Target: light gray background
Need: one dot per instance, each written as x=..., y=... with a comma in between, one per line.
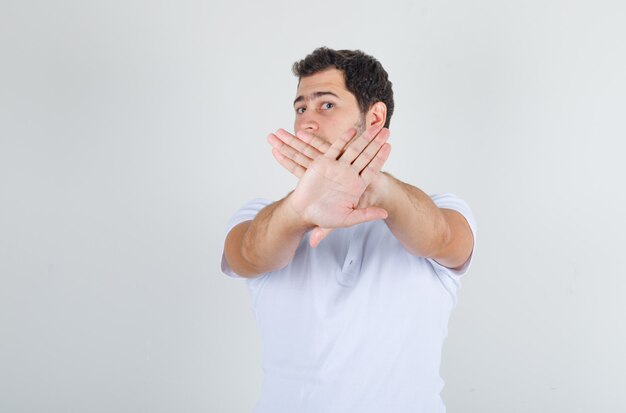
x=131, y=130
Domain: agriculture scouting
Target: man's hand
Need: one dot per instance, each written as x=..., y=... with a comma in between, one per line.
x=422, y=228
x=296, y=153
x=333, y=179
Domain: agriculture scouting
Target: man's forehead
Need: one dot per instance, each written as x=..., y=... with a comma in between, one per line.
x=329, y=81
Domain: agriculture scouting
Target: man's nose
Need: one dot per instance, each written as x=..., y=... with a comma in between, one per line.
x=307, y=122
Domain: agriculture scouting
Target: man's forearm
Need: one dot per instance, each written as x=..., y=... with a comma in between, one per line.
x=272, y=238
x=414, y=219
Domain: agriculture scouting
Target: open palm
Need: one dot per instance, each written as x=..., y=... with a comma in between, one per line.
x=328, y=192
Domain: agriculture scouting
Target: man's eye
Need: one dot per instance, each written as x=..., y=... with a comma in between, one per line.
x=327, y=105
x=300, y=111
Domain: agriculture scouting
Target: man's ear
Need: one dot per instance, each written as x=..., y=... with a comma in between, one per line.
x=377, y=114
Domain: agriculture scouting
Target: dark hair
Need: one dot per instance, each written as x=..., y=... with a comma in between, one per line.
x=364, y=75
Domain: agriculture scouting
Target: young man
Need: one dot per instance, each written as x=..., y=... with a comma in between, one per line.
x=353, y=274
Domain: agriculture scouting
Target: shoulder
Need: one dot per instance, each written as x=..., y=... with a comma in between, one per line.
x=453, y=202
x=460, y=217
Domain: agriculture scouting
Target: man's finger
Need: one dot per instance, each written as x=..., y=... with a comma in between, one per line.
x=361, y=215
x=376, y=164
x=354, y=149
x=288, y=151
x=335, y=150
x=288, y=164
x=317, y=235
x=298, y=144
x=318, y=143
x=370, y=151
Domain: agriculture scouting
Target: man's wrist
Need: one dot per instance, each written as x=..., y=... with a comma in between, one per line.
x=376, y=193
x=294, y=218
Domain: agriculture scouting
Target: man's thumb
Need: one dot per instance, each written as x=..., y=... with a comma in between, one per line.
x=317, y=235
x=360, y=215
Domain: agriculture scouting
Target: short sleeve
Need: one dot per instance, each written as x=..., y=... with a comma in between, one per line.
x=246, y=213
x=451, y=201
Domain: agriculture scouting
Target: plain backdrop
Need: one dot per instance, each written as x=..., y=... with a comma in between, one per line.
x=130, y=131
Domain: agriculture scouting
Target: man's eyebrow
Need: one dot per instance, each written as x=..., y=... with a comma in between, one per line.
x=315, y=95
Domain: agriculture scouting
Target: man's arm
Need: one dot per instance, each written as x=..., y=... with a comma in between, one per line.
x=423, y=229
x=266, y=243
x=327, y=196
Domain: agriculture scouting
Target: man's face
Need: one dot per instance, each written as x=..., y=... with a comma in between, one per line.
x=325, y=108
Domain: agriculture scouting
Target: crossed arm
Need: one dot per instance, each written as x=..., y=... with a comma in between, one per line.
x=342, y=185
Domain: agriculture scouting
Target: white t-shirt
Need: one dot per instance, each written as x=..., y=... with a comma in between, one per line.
x=354, y=325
